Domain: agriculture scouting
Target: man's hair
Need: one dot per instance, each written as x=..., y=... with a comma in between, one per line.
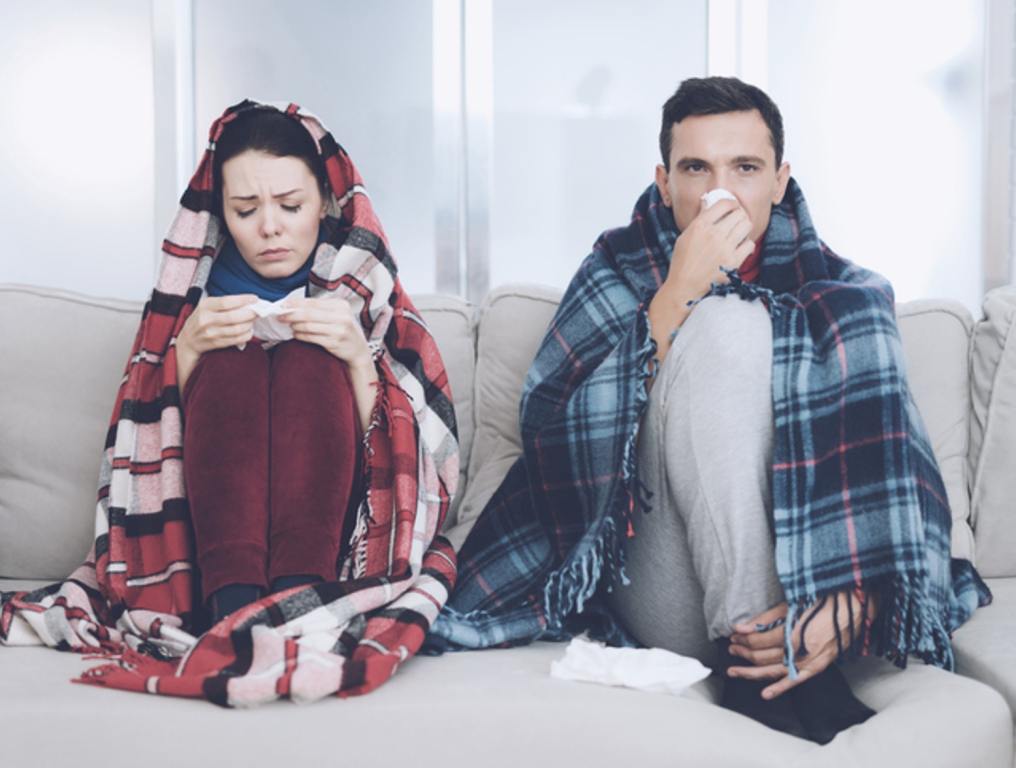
x=268, y=130
x=715, y=96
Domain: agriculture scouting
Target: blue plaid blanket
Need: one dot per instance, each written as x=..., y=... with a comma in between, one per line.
x=858, y=500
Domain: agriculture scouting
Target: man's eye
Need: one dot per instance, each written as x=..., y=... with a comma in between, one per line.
x=292, y=208
x=245, y=214
x=694, y=167
x=748, y=167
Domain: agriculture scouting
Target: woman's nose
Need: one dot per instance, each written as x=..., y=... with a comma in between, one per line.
x=269, y=222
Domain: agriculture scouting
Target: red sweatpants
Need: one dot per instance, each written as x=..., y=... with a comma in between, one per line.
x=271, y=462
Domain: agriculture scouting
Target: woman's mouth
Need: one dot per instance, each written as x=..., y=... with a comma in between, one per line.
x=274, y=254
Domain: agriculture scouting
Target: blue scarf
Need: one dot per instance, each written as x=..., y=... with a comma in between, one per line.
x=551, y=536
x=231, y=275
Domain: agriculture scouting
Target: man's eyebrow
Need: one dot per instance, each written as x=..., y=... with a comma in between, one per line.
x=276, y=197
x=684, y=162
x=754, y=159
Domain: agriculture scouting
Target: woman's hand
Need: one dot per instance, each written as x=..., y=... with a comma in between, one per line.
x=216, y=322
x=331, y=324
x=765, y=649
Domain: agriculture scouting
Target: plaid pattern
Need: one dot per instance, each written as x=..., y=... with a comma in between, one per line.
x=858, y=500
x=134, y=600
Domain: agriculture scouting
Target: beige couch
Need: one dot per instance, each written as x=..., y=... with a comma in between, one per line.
x=61, y=355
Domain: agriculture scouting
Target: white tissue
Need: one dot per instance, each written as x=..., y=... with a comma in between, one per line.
x=267, y=326
x=713, y=196
x=645, y=669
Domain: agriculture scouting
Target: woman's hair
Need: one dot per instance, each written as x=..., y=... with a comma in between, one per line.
x=268, y=130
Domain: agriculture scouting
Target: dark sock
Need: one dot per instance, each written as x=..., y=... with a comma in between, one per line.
x=287, y=582
x=232, y=597
x=826, y=705
x=745, y=697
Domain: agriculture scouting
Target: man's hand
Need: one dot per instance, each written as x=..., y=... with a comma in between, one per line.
x=717, y=237
x=216, y=322
x=765, y=649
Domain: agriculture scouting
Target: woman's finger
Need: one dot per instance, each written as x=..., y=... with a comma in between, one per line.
x=225, y=303
x=319, y=329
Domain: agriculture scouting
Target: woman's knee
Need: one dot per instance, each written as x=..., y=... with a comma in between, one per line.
x=229, y=369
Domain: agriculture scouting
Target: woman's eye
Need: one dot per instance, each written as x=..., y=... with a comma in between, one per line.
x=244, y=214
x=291, y=208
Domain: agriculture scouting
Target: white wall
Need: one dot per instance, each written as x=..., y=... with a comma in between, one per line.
x=76, y=146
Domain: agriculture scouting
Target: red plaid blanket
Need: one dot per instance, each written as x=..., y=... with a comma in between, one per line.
x=133, y=601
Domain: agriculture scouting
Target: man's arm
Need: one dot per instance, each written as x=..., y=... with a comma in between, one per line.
x=716, y=238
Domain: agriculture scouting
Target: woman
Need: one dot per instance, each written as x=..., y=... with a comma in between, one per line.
x=271, y=436
x=235, y=467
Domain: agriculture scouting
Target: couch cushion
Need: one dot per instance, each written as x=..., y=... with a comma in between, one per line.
x=993, y=430
x=58, y=385
x=450, y=319
x=494, y=708
x=936, y=346
x=510, y=326
x=984, y=645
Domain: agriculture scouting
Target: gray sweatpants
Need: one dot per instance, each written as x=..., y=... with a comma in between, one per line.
x=702, y=558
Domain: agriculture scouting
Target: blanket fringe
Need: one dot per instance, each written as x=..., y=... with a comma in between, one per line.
x=906, y=624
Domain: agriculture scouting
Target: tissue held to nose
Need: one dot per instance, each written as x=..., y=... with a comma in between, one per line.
x=713, y=196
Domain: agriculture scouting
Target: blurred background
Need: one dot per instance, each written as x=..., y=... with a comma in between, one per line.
x=498, y=138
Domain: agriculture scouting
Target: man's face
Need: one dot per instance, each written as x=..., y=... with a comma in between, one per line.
x=730, y=150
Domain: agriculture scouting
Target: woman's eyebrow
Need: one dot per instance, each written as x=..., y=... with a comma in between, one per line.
x=255, y=197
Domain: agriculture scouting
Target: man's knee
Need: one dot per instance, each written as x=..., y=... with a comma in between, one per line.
x=726, y=335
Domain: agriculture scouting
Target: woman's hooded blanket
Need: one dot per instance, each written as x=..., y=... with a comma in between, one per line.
x=134, y=601
x=857, y=497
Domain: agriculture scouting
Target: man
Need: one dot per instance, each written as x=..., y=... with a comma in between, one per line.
x=719, y=369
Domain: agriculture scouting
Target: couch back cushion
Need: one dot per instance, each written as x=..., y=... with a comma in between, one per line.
x=993, y=434
x=513, y=320
x=936, y=346
x=61, y=361
x=510, y=326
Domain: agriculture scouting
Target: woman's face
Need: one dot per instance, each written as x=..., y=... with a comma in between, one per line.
x=273, y=209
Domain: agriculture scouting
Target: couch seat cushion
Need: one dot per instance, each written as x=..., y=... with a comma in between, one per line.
x=985, y=647
x=490, y=708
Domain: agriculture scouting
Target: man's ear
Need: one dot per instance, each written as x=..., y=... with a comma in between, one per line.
x=782, y=178
x=661, y=185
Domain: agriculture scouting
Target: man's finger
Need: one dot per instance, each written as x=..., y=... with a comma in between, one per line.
x=766, y=672
x=804, y=673
x=771, y=638
x=764, y=619
x=761, y=657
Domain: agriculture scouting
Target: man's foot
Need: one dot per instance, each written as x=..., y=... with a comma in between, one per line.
x=745, y=697
x=825, y=705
